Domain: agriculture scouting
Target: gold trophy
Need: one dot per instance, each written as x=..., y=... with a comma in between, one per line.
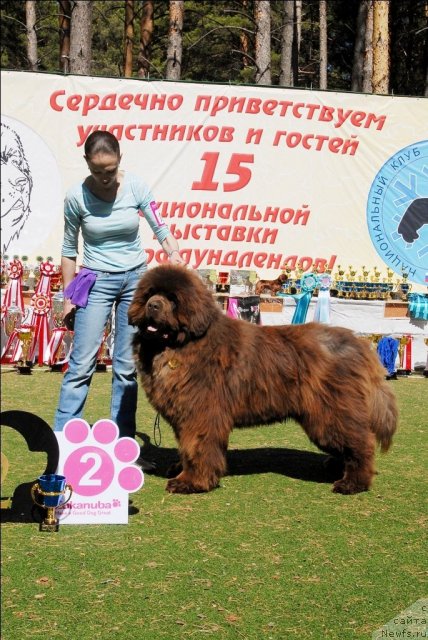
x=405, y=287
x=50, y=489
x=374, y=339
x=352, y=288
x=403, y=341
x=12, y=323
x=338, y=281
x=4, y=274
x=58, y=323
x=25, y=335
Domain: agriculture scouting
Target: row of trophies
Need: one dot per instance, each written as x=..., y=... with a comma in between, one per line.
x=15, y=325
x=351, y=284
x=30, y=273
x=368, y=284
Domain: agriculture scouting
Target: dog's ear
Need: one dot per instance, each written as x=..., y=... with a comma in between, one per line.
x=136, y=309
x=133, y=315
x=198, y=317
x=196, y=307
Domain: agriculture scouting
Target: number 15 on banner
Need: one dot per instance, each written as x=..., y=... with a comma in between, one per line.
x=236, y=167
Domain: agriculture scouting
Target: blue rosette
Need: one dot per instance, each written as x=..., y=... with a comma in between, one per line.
x=309, y=282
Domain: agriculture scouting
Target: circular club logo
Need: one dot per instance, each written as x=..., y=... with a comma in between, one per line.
x=397, y=212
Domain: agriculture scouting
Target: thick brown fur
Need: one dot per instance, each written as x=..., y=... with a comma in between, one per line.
x=271, y=286
x=206, y=373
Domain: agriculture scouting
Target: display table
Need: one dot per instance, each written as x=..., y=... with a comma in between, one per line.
x=364, y=317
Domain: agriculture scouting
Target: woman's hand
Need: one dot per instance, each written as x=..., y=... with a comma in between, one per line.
x=175, y=258
x=170, y=246
x=68, y=307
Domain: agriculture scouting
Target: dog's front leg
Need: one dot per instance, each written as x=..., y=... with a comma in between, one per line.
x=203, y=458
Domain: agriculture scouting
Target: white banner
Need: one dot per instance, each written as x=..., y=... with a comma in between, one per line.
x=246, y=177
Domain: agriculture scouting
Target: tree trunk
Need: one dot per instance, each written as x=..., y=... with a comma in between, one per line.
x=368, y=50
x=146, y=33
x=129, y=38
x=323, y=44
x=287, y=33
x=262, y=49
x=243, y=38
x=296, y=40
x=81, y=37
x=360, y=35
x=30, y=18
x=381, y=62
x=175, y=42
x=64, y=35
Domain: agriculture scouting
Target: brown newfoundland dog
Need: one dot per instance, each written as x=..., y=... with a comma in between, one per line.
x=206, y=373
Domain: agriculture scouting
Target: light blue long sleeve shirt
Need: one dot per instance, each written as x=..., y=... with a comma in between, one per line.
x=110, y=230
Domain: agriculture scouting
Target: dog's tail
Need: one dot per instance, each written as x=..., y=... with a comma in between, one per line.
x=384, y=416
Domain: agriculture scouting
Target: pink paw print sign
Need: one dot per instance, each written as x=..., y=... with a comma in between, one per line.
x=99, y=466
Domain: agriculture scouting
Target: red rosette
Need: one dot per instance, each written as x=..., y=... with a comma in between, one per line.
x=47, y=268
x=14, y=269
x=42, y=304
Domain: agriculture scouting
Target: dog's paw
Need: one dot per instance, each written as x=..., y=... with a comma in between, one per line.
x=183, y=484
x=347, y=488
x=177, y=486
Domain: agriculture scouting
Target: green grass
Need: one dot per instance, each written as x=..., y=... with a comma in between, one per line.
x=271, y=554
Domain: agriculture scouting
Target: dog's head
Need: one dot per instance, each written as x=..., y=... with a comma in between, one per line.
x=172, y=305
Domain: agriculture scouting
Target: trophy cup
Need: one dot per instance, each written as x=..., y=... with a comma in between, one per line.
x=56, y=280
x=404, y=287
x=26, y=271
x=12, y=323
x=351, y=291
x=403, y=342
x=298, y=273
x=223, y=282
x=49, y=493
x=339, y=282
x=59, y=328
x=4, y=274
x=25, y=335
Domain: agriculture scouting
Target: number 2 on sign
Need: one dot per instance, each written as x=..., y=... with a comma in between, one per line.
x=88, y=478
x=235, y=168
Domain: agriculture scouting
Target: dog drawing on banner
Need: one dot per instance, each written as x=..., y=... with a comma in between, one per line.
x=206, y=373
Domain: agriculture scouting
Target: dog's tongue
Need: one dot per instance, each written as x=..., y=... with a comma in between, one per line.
x=155, y=330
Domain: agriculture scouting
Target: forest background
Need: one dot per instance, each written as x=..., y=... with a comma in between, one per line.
x=371, y=46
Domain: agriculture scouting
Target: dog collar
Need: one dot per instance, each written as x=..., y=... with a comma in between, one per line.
x=173, y=363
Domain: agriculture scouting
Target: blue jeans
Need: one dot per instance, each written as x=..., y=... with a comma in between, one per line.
x=109, y=289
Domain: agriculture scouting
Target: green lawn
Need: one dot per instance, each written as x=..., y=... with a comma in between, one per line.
x=272, y=554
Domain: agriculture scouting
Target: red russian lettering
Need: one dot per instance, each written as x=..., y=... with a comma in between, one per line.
x=54, y=102
x=89, y=102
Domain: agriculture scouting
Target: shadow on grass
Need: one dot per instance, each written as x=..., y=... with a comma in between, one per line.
x=293, y=463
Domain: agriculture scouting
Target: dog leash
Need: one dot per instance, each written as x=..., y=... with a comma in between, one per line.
x=157, y=435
